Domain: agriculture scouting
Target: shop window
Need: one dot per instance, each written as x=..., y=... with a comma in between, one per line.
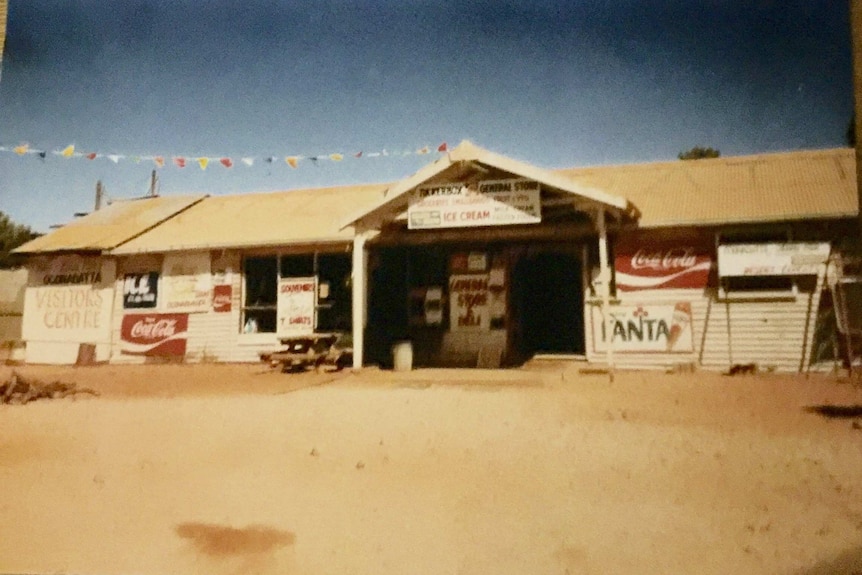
x=297, y=266
x=333, y=308
x=261, y=292
x=334, y=292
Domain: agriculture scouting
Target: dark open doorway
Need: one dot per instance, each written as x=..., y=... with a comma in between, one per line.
x=547, y=300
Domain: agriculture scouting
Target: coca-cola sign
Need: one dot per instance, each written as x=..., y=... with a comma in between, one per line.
x=643, y=264
x=155, y=334
x=222, y=296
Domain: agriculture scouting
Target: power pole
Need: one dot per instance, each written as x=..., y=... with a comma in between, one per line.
x=856, y=41
x=100, y=192
x=154, y=185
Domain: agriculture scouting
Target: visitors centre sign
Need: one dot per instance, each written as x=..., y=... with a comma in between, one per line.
x=490, y=203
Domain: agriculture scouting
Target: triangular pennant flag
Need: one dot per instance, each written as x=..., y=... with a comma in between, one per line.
x=91, y=156
x=68, y=151
x=442, y=147
x=116, y=158
x=159, y=161
x=313, y=160
x=203, y=163
x=22, y=149
x=336, y=157
x=226, y=162
x=291, y=161
x=248, y=161
x=43, y=154
x=357, y=155
x=180, y=162
x=136, y=159
x=423, y=150
x=384, y=153
x=271, y=159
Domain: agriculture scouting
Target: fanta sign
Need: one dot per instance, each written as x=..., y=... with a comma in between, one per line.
x=643, y=328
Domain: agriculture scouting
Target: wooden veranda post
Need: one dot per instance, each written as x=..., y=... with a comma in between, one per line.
x=358, y=283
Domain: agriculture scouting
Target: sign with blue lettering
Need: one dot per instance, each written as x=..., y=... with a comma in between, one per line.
x=140, y=291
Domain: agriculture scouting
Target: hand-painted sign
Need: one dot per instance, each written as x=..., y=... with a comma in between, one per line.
x=494, y=203
x=297, y=299
x=154, y=334
x=469, y=305
x=644, y=328
x=140, y=290
x=222, y=296
x=772, y=259
x=69, y=300
x=641, y=264
x=187, y=282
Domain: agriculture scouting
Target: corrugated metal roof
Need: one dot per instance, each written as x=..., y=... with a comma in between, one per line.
x=815, y=184
x=260, y=219
x=109, y=227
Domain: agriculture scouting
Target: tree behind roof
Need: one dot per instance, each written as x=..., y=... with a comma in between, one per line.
x=12, y=235
x=698, y=153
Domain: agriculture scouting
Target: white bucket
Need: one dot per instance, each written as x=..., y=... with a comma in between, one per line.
x=402, y=356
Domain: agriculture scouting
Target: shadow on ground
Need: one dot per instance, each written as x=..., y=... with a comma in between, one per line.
x=846, y=563
x=836, y=411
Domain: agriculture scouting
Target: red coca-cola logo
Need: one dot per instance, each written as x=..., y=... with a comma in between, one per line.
x=674, y=258
x=157, y=334
x=222, y=296
x=159, y=329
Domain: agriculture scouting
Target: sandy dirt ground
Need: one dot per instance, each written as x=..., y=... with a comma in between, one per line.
x=211, y=469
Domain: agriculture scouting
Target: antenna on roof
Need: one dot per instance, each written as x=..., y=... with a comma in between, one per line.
x=100, y=191
x=154, y=185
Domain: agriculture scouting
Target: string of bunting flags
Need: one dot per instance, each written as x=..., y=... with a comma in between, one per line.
x=182, y=161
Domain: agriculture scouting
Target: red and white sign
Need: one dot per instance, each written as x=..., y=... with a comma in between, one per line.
x=644, y=265
x=297, y=300
x=162, y=334
x=222, y=296
x=644, y=328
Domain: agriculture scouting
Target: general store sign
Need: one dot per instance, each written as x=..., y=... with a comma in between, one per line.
x=154, y=334
x=491, y=203
x=785, y=259
x=469, y=307
x=297, y=298
x=662, y=328
x=643, y=264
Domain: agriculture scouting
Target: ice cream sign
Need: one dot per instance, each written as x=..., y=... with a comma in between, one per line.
x=490, y=203
x=643, y=328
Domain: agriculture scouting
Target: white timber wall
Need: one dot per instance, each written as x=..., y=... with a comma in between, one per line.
x=774, y=333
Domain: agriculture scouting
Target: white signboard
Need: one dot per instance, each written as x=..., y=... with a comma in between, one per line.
x=771, y=259
x=187, y=282
x=69, y=300
x=297, y=298
x=469, y=307
x=644, y=328
x=494, y=203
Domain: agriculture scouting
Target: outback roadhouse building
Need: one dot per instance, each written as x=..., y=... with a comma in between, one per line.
x=475, y=260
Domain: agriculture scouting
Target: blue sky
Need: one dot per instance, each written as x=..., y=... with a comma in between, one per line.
x=557, y=83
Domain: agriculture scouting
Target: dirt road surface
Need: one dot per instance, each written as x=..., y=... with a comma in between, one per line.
x=212, y=470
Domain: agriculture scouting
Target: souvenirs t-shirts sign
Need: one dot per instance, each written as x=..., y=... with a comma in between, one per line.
x=297, y=299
